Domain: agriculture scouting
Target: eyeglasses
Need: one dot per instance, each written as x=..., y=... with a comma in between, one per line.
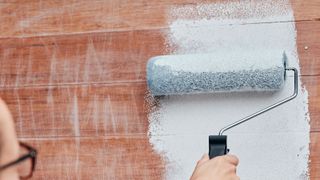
x=25, y=163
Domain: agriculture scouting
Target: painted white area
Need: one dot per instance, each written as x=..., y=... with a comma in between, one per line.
x=274, y=145
x=237, y=12
x=221, y=60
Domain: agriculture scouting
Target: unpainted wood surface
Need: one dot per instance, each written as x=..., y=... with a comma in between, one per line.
x=73, y=74
x=118, y=157
x=21, y=18
x=87, y=110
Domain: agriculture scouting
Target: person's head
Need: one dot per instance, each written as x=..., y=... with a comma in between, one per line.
x=16, y=159
x=9, y=146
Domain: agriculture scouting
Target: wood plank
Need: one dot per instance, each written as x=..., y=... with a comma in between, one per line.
x=308, y=45
x=103, y=57
x=118, y=157
x=79, y=110
x=306, y=9
x=97, y=158
x=36, y=72
x=39, y=18
x=102, y=109
x=108, y=57
x=314, y=164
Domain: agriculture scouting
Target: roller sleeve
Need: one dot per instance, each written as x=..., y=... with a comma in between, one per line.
x=216, y=72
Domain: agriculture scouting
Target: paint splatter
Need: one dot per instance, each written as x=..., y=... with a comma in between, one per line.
x=269, y=146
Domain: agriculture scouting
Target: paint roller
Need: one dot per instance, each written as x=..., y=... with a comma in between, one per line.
x=220, y=72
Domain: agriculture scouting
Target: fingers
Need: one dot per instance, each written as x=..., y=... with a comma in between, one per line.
x=232, y=159
x=203, y=159
x=221, y=167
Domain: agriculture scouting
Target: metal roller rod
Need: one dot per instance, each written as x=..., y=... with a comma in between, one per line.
x=295, y=93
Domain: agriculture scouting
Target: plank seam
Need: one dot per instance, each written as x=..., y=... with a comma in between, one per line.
x=145, y=29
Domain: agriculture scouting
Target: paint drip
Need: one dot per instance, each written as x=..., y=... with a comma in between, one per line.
x=274, y=145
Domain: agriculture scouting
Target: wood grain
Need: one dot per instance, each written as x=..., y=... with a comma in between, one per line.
x=108, y=57
x=102, y=109
x=73, y=73
x=91, y=58
x=97, y=158
x=79, y=110
x=42, y=18
x=72, y=158
x=308, y=45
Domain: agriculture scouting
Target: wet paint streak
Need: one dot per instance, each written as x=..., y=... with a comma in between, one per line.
x=105, y=115
x=27, y=22
x=51, y=106
x=17, y=97
x=95, y=113
x=53, y=65
x=76, y=128
x=94, y=58
x=77, y=163
x=135, y=110
x=50, y=100
x=18, y=65
x=29, y=78
x=108, y=105
x=34, y=127
x=75, y=116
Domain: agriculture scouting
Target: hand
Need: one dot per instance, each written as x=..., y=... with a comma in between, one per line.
x=218, y=168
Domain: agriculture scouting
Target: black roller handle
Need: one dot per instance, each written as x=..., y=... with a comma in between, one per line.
x=217, y=145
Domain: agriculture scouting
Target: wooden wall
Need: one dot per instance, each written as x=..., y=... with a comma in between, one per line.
x=87, y=116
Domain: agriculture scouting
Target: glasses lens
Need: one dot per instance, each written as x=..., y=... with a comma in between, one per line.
x=24, y=167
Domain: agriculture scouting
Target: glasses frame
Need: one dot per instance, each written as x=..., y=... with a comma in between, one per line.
x=32, y=153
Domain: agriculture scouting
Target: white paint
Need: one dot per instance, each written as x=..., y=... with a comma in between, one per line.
x=51, y=106
x=32, y=116
x=75, y=116
x=106, y=114
x=95, y=113
x=108, y=105
x=237, y=12
x=221, y=60
x=53, y=71
x=50, y=98
x=77, y=162
x=20, y=118
x=76, y=127
x=28, y=76
x=18, y=72
x=274, y=145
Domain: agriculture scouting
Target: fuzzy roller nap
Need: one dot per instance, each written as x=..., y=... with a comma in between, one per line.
x=207, y=73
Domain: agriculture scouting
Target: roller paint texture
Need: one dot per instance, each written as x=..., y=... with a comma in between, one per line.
x=216, y=72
